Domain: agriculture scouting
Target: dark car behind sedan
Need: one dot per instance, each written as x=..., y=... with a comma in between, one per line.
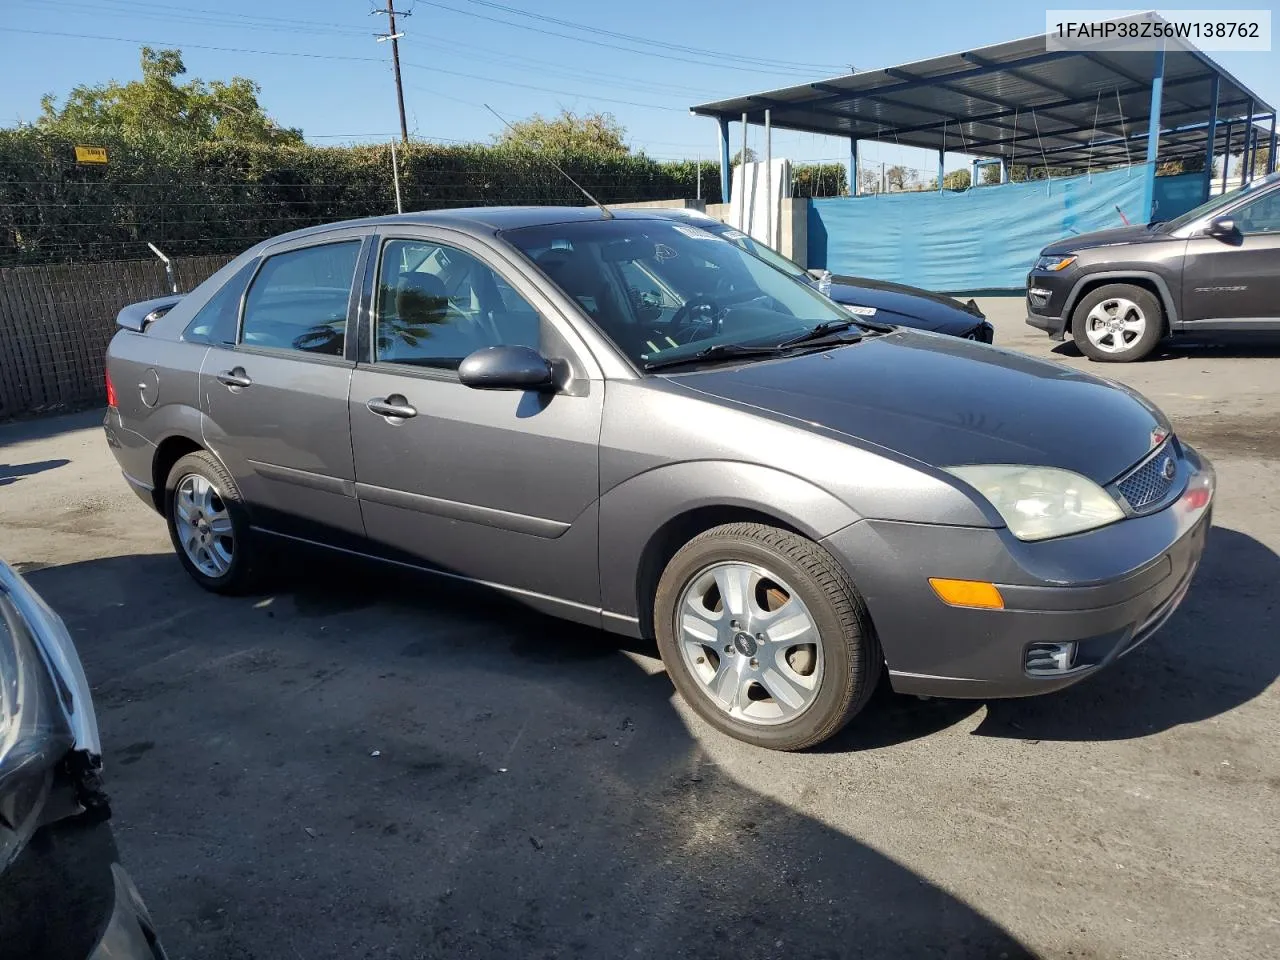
x=881, y=300
x=63, y=893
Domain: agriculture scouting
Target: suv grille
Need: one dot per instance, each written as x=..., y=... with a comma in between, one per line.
x=1149, y=484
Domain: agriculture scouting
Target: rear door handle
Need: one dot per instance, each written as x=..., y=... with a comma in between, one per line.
x=393, y=407
x=235, y=378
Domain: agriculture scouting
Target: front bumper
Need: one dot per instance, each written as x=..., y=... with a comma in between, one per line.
x=1047, y=302
x=1107, y=590
x=66, y=897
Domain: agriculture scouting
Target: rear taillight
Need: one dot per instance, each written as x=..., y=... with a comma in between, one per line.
x=111, y=391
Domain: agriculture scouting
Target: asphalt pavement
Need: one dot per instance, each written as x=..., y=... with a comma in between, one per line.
x=366, y=763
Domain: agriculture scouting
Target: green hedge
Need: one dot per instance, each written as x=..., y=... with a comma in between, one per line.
x=219, y=197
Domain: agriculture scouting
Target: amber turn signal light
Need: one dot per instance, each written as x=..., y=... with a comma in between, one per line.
x=967, y=593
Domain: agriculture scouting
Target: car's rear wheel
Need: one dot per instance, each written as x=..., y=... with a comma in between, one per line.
x=208, y=525
x=764, y=635
x=1117, y=323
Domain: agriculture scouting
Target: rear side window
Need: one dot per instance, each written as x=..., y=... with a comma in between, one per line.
x=216, y=321
x=298, y=301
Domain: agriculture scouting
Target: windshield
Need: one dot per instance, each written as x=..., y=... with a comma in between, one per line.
x=755, y=247
x=1216, y=203
x=662, y=290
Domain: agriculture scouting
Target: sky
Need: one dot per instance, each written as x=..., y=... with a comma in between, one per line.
x=321, y=68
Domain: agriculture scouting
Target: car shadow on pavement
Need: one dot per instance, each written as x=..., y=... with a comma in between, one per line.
x=1219, y=650
x=13, y=472
x=370, y=763
x=1188, y=347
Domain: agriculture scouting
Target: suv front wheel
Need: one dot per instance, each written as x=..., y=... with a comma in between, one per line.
x=1117, y=323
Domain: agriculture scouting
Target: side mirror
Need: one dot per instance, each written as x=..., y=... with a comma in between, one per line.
x=1222, y=228
x=507, y=368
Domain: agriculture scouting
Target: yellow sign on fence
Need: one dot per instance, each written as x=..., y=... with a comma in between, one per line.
x=91, y=154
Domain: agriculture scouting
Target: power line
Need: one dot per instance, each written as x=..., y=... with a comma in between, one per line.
x=599, y=43
x=699, y=51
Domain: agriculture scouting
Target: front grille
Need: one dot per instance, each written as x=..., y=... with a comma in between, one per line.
x=1151, y=482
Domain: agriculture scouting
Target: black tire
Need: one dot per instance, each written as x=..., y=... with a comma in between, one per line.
x=1147, y=303
x=240, y=575
x=852, y=660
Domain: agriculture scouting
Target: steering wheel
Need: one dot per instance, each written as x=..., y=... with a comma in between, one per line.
x=699, y=301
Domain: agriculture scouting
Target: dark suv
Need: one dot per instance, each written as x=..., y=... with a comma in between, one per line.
x=1118, y=292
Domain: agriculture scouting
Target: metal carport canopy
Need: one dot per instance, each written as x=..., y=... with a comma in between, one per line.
x=1018, y=100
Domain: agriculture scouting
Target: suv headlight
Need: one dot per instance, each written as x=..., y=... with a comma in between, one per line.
x=1041, y=502
x=1053, y=264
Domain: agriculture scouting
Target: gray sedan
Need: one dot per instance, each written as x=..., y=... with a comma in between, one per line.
x=633, y=423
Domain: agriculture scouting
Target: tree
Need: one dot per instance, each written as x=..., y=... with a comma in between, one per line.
x=213, y=110
x=737, y=157
x=990, y=174
x=569, y=132
x=957, y=180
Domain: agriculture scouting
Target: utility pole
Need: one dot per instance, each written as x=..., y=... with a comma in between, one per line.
x=394, y=37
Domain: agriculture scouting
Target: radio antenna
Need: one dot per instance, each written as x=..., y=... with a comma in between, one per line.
x=608, y=215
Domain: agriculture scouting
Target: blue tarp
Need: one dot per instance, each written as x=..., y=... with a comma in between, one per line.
x=981, y=239
x=1176, y=195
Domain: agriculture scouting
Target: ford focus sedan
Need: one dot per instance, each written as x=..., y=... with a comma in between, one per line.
x=789, y=498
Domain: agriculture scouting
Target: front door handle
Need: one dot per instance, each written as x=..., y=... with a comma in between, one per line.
x=235, y=378
x=392, y=407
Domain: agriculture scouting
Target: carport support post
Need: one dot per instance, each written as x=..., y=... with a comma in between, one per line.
x=1271, y=152
x=1246, y=174
x=725, y=178
x=1153, y=136
x=768, y=180
x=942, y=166
x=1226, y=159
x=853, y=167
x=1213, y=136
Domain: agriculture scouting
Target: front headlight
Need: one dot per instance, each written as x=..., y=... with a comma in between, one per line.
x=1054, y=264
x=1042, y=502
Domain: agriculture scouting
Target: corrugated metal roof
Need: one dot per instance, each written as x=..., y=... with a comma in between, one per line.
x=1015, y=99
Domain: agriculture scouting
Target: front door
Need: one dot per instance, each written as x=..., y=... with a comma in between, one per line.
x=1237, y=278
x=276, y=400
x=495, y=486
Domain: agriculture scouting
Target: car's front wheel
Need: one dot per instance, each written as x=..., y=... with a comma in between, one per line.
x=1117, y=323
x=764, y=635
x=207, y=524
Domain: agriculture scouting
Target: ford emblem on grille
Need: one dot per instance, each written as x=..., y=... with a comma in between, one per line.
x=1168, y=468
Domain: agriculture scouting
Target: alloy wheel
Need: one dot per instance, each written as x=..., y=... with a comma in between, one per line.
x=204, y=525
x=1115, y=324
x=750, y=642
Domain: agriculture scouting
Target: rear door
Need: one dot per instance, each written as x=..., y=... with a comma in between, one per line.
x=276, y=399
x=1237, y=278
x=496, y=486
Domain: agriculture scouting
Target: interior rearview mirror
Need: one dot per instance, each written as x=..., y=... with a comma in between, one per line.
x=1222, y=227
x=507, y=368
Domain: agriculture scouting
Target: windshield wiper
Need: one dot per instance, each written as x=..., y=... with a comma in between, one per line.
x=822, y=330
x=719, y=351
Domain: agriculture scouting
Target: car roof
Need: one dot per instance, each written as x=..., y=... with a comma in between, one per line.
x=478, y=220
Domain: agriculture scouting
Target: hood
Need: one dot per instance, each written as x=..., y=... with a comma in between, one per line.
x=906, y=305
x=950, y=402
x=1139, y=233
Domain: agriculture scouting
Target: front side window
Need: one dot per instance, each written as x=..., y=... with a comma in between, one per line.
x=662, y=290
x=437, y=304
x=298, y=300
x=1260, y=216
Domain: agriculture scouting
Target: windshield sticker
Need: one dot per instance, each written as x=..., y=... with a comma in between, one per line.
x=697, y=233
x=860, y=311
x=733, y=235
x=663, y=253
